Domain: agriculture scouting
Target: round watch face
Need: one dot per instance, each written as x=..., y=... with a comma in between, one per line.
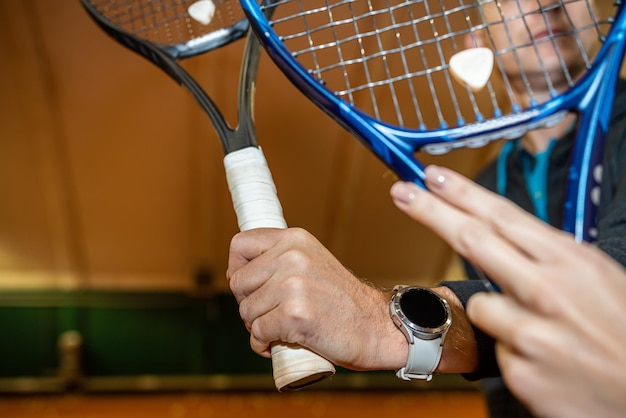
x=424, y=308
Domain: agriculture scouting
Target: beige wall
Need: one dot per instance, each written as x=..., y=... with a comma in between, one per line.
x=110, y=177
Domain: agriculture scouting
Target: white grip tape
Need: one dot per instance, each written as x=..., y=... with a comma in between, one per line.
x=296, y=367
x=257, y=206
x=252, y=189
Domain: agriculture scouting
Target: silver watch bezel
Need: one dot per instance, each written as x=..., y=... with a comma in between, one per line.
x=424, y=333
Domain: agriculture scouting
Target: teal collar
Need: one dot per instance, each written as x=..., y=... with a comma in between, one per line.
x=535, y=174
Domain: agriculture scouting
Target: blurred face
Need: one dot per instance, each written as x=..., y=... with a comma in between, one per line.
x=527, y=26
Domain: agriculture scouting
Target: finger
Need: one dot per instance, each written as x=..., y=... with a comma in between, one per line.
x=248, y=245
x=518, y=373
x=286, y=318
x=248, y=267
x=500, y=317
x=468, y=235
x=285, y=293
x=260, y=347
x=431, y=210
x=263, y=331
x=521, y=376
x=519, y=227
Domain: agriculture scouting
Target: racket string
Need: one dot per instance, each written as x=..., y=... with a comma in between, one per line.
x=385, y=68
x=449, y=29
x=167, y=22
x=471, y=41
x=392, y=57
x=441, y=64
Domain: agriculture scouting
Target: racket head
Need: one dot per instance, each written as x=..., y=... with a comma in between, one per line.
x=382, y=69
x=167, y=31
x=154, y=28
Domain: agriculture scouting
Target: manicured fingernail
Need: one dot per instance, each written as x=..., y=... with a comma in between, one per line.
x=435, y=177
x=403, y=192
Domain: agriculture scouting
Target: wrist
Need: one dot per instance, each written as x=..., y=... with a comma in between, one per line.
x=391, y=345
x=460, y=354
x=396, y=343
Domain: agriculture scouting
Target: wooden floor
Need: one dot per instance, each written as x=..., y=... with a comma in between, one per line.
x=313, y=404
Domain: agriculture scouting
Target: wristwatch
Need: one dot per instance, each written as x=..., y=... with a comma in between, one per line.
x=424, y=318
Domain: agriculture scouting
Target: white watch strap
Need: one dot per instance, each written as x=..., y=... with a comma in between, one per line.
x=424, y=356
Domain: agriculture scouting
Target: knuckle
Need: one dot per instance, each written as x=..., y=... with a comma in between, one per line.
x=296, y=313
x=244, y=311
x=295, y=287
x=295, y=309
x=503, y=215
x=294, y=257
x=541, y=297
x=521, y=335
x=470, y=235
x=529, y=338
x=234, y=283
x=236, y=242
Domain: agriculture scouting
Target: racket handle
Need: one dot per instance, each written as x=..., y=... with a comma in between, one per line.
x=257, y=206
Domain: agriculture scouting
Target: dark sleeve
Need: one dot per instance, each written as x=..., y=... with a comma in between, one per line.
x=612, y=209
x=487, y=365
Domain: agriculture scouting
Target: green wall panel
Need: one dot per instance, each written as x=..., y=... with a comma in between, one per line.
x=126, y=334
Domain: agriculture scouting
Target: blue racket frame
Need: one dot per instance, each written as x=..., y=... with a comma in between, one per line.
x=592, y=97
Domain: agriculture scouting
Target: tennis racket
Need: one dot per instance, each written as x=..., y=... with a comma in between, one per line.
x=384, y=70
x=168, y=31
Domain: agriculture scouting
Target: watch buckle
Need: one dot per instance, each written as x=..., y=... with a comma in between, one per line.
x=411, y=376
